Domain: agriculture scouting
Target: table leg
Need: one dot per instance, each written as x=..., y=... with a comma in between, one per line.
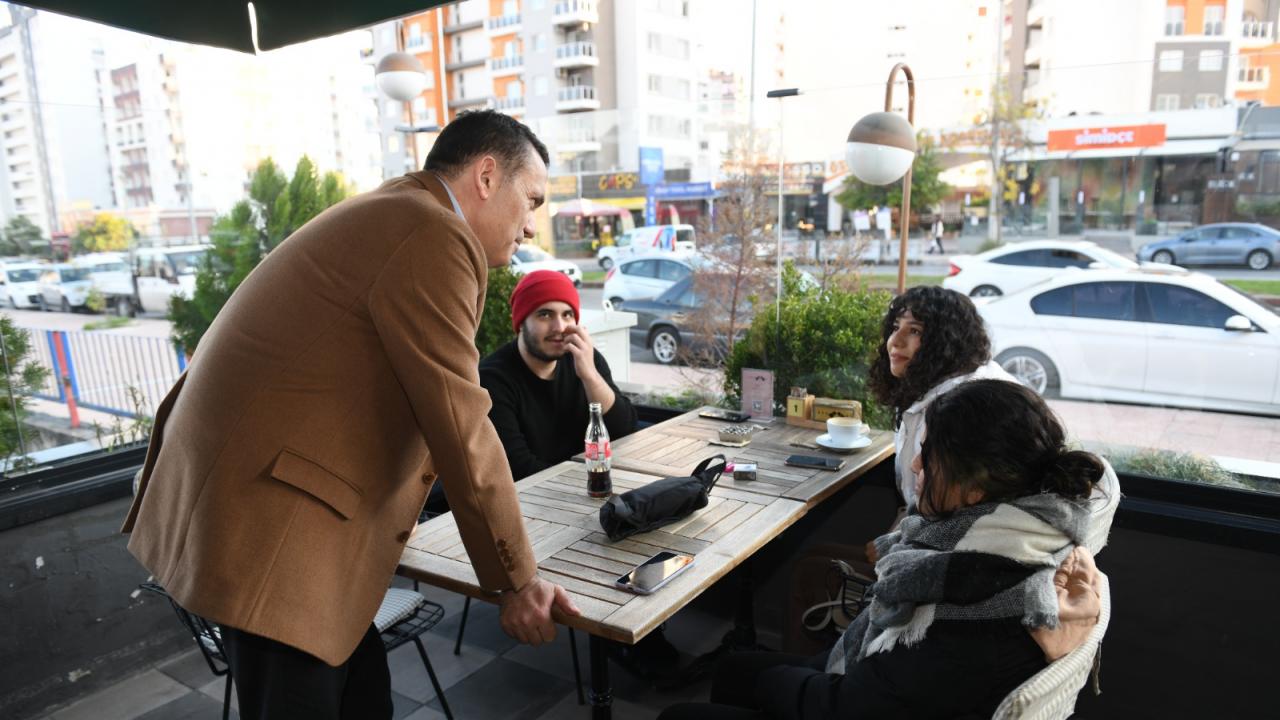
x=601, y=693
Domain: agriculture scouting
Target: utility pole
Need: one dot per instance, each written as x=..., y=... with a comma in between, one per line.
x=997, y=191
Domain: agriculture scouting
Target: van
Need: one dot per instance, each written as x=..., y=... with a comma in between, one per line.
x=647, y=239
x=20, y=281
x=109, y=274
x=163, y=272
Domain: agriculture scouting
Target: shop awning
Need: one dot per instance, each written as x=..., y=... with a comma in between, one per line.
x=231, y=23
x=1191, y=146
x=586, y=207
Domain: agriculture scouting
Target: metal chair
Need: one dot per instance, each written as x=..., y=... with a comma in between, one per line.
x=208, y=637
x=403, y=616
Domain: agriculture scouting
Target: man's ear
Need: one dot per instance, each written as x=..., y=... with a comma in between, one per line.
x=486, y=176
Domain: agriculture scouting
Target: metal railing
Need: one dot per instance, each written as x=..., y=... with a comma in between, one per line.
x=118, y=374
x=507, y=62
x=576, y=92
x=1258, y=30
x=1173, y=28
x=504, y=21
x=508, y=103
x=573, y=7
x=581, y=49
x=1257, y=75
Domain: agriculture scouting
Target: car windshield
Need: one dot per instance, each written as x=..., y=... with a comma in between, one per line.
x=186, y=263
x=532, y=254
x=73, y=274
x=24, y=275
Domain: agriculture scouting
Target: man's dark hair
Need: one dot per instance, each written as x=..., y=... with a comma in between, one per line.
x=484, y=132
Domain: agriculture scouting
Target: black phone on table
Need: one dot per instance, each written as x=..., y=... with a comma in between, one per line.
x=815, y=461
x=729, y=415
x=654, y=572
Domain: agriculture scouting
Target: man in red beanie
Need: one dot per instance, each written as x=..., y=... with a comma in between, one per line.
x=542, y=382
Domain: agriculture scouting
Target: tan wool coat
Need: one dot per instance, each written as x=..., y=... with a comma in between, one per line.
x=289, y=464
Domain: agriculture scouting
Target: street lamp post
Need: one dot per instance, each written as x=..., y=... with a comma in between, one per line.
x=881, y=148
x=401, y=76
x=777, y=256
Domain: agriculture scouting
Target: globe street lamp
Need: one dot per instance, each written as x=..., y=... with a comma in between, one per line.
x=401, y=76
x=881, y=148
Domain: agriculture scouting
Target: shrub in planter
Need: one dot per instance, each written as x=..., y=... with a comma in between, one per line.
x=826, y=344
x=495, y=323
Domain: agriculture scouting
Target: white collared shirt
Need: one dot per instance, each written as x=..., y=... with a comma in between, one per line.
x=456, y=207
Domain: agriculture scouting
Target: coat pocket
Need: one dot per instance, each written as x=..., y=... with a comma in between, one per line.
x=313, y=479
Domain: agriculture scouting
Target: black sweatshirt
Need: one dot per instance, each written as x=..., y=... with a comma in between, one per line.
x=543, y=422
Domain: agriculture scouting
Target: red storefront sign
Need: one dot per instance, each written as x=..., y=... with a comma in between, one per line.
x=1126, y=136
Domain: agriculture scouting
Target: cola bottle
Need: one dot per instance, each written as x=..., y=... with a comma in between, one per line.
x=599, y=455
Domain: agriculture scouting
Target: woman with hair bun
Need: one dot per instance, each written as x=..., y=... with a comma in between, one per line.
x=932, y=340
x=992, y=579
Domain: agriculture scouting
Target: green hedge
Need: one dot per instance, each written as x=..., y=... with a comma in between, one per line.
x=827, y=344
x=495, y=323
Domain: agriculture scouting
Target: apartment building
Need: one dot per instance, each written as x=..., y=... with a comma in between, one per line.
x=1212, y=52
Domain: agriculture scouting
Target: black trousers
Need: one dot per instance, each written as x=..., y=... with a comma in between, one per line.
x=733, y=687
x=274, y=680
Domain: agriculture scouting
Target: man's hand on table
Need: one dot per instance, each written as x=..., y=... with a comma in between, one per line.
x=526, y=613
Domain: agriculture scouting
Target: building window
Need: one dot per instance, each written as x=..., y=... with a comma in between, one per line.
x=668, y=46
x=1175, y=17
x=540, y=42
x=1213, y=19
x=1208, y=100
x=515, y=89
x=1166, y=102
x=538, y=4
x=415, y=35
x=1170, y=61
x=1210, y=61
x=540, y=85
x=510, y=7
x=430, y=80
x=419, y=107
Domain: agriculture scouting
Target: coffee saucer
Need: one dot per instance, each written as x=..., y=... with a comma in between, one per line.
x=824, y=440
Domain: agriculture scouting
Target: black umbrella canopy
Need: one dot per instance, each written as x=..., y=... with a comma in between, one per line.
x=227, y=24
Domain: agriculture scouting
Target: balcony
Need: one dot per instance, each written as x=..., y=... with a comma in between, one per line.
x=573, y=12
x=578, y=140
x=577, y=97
x=1254, y=33
x=576, y=54
x=504, y=25
x=1174, y=28
x=1036, y=13
x=1252, y=78
x=466, y=102
x=462, y=62
x=510, y=105
x=507, y=65
x=454, y=23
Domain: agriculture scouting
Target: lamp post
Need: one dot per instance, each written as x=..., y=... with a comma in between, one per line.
x=881, y=148
x=401, y=76
x=777, y=256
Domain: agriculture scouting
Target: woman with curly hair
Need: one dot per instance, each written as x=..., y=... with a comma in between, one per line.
x=933, y=340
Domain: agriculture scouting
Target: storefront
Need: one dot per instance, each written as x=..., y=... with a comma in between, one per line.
x=604, y=195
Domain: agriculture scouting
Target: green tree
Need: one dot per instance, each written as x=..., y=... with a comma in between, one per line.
x=23, y=237
x=495, y=322
x=105, y=233
x=21, y=377
x=276, y=206
x=927, y=188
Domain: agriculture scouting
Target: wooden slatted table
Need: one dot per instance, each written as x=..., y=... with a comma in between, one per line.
x=572, y=551
x=674, y=447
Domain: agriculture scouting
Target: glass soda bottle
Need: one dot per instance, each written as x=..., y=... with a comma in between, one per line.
x=599, y=455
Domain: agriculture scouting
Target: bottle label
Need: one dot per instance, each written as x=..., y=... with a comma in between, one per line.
x=599, y=451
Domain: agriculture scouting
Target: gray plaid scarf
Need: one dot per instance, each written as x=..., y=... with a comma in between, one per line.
x=983, y=562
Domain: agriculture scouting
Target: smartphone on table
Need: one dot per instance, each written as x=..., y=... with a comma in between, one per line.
x=655, y=572
x=729, y=415
x=815, y=461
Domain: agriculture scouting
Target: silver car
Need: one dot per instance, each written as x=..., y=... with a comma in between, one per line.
x=1251, y=244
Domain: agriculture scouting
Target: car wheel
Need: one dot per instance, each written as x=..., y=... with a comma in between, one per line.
x=986, y=291
x=66, y=306
x=124, y=307
x=606, y=262
x=1258, y=260
x=1032, y=369
x=41, y=305
x=1163, y=257
x=665, y=344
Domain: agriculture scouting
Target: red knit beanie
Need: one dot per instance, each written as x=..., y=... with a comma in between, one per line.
x=538, y=287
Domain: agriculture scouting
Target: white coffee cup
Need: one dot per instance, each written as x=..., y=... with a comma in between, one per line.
x=843, y=430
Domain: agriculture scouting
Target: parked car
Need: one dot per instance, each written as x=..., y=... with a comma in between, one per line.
x=1009, y=268
x=642, y=278
x=21, y=283
x=109, y=274
x=64, y=287
x=1142, y=336
x=664, y=325
x=529, y=258
x=1256, y=246
x=644, y=240
x=162, y=272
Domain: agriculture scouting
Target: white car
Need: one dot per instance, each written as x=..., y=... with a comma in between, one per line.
x=162, y=272
x=64, y=287
x=109, y=273
x=529, y=258
x=21, y=283
x=646, y=240
x=1009, y=268
x=642, y=278
x=1144, y=336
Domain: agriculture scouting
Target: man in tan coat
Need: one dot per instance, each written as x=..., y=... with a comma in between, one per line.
x=289, y=463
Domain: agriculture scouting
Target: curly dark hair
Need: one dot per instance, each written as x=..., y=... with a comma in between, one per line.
x=954, y=342
x=1019, y=448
